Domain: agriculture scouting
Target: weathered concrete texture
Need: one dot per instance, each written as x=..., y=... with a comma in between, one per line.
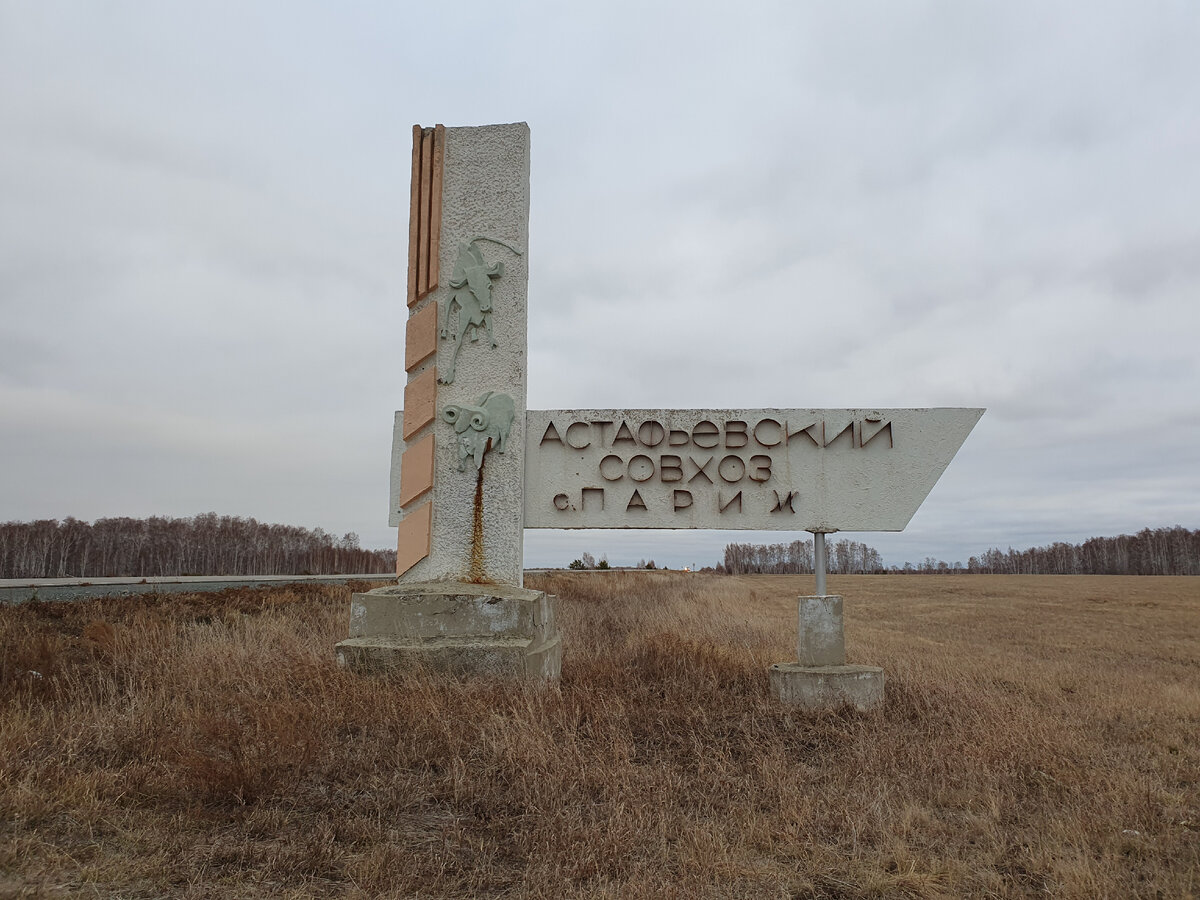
x=821, y=641
x=764, y=469
x=452, y=609
x=465, y=629
x=507, y=658
x=827, y=687
x=485, y=195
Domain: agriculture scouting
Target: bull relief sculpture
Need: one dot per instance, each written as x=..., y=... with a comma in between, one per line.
x=481, y=425
x=472, y=286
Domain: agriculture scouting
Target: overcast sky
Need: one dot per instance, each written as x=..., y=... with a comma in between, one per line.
x=204, y=225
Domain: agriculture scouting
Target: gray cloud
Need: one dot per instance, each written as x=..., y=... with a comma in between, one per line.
x=202, y=244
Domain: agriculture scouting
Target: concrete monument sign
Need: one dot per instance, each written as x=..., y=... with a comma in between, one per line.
x=817, y=470
x=458, y=463
x=465, y=352
x=471, y=467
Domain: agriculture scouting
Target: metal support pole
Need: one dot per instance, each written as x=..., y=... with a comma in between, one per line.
x=819, y=561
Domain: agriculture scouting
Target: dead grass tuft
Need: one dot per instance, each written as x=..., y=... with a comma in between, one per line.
x=1039, y=737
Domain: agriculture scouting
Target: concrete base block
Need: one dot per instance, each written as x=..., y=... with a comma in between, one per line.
x=827, y=687
x=506, y=657
x=454, y=627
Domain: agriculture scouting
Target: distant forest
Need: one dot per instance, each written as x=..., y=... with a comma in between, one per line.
x=1158, y=551
x=209, y=544
x=842, y=557
x=206, y=544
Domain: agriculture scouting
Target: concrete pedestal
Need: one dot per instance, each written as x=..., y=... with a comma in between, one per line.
x=454, y=627
x=820, y=678
x=827, y=687
x=820, y=640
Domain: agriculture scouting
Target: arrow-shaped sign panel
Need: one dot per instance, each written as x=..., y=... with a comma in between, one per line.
x=762, y=469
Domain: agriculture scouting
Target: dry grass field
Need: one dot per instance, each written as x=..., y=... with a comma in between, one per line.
x=1041, y=736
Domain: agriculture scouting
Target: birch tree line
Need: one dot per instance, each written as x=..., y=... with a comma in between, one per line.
x=842, y=557
x=206, y=544
x=1158, y=551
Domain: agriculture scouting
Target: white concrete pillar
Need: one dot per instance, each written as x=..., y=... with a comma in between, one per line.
x=821, y=641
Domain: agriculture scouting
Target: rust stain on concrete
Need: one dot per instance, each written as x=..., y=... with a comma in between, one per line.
x=477, y=574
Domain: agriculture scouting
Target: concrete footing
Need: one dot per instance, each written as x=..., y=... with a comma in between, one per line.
x=820, y=678
x=454, y=627
x=827, y=687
